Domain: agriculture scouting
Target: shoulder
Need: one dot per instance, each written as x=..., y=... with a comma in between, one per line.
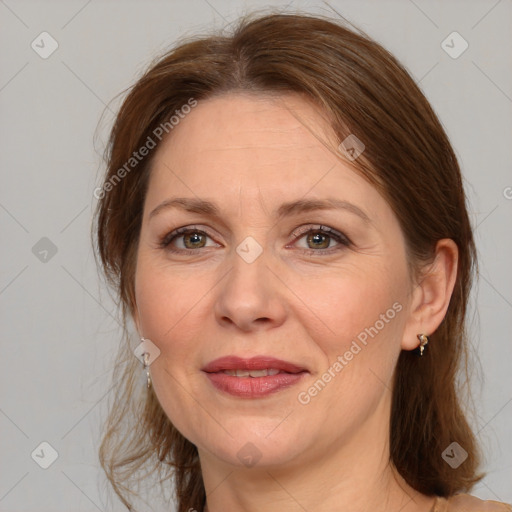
x=467, y=503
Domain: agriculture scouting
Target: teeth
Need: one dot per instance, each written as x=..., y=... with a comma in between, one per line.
x=252, y=373
x=256, y=373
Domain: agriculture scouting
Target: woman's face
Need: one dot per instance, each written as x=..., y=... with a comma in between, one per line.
x=326, y=290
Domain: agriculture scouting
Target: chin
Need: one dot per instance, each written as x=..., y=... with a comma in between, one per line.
x=253, y=444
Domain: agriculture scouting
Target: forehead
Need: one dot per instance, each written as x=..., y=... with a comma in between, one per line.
x=267, y=140
x=252, y=117
x=228, y=127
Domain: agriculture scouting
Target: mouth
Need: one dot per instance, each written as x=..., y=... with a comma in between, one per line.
x=253, y=373
x=253, y=378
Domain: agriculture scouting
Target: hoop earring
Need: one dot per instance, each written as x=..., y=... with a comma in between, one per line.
x=424, y=339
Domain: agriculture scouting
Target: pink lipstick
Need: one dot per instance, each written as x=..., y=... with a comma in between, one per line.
x=253, y=378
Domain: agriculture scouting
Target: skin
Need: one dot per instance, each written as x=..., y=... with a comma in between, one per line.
x=249, y=154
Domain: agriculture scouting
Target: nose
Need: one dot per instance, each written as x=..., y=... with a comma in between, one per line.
x=250, y=296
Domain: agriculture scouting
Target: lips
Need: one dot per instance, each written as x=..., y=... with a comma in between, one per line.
x=257, y=363
x=256, y=377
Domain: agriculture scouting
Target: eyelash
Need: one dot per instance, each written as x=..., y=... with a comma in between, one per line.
x=165, y=242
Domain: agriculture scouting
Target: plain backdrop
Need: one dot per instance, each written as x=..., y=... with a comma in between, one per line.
x=59, y=327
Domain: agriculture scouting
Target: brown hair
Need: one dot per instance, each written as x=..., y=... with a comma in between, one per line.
x=408, y=158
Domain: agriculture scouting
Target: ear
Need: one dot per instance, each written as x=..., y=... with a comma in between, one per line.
x=431, y=295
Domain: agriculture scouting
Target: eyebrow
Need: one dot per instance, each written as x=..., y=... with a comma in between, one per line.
x=196, y=205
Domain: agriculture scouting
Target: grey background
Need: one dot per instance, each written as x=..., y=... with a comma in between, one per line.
x=59, y=327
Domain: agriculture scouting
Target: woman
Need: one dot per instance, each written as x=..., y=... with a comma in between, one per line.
x=284, y=220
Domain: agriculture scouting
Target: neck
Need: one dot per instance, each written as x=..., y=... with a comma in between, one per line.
x=354, y=475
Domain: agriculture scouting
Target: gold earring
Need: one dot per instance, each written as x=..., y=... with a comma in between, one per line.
x=424, y=339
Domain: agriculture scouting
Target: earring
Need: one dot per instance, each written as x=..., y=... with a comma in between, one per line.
x=424, y=339
x=145, y=356
x=147, y=352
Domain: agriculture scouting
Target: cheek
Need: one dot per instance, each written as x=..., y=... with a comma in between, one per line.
x=169, y=309
x=168, y=306
x=359, y=342
x=362, y=317
x=359, y=305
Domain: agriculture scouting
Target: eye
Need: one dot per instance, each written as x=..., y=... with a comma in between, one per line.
x=318, y=239
x=191, y=238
